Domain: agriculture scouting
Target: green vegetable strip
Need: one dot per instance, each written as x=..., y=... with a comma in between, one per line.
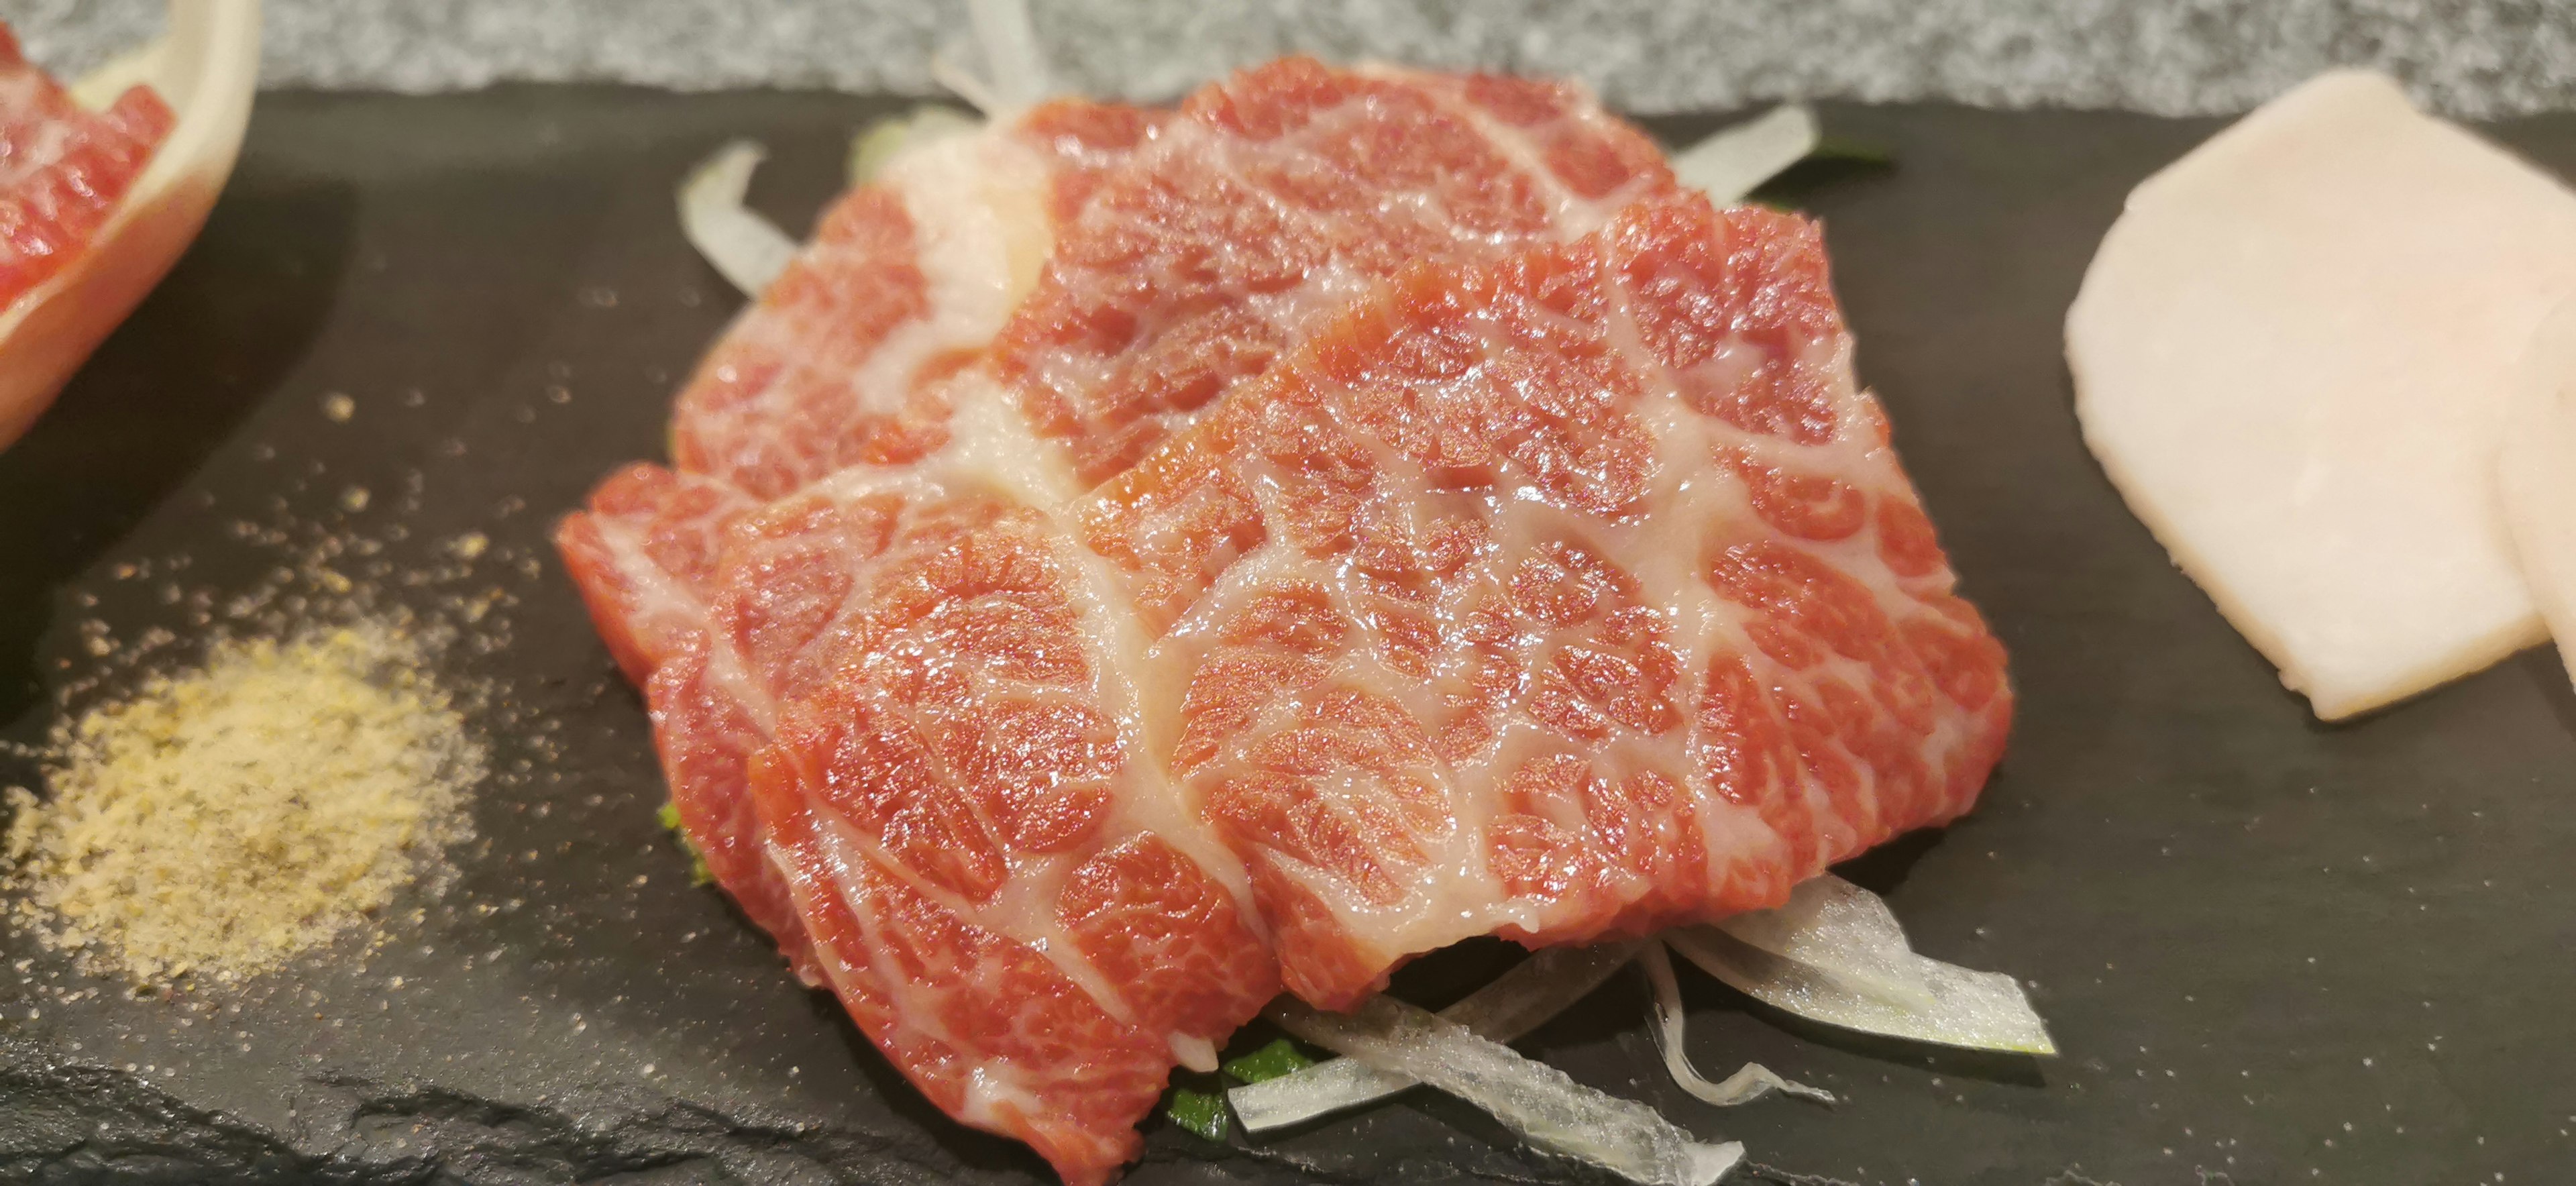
x=1280, y=1057
x=670, y=817
x=1201, y=1112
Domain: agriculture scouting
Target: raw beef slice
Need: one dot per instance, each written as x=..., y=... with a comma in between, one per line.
x=62, y=167
x=1570, y=594
x=1492, y=541
x=838, y=363
x=1268, y=202
x=1573, y=594
x=1177, y=253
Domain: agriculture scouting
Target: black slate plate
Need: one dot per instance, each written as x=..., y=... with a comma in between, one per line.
x=2272, y=951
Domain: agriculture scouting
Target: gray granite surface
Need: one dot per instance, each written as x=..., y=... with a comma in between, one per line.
x=2467, y=57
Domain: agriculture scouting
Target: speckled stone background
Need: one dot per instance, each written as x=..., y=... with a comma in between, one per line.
x=2479, y=58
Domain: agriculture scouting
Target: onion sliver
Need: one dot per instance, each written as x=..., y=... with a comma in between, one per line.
x=747, y=249
x=1541, y=1103
x=1731, y=163
x=1835, y=954
x=1750, y=1083
x=964, y=83
x=1016, y=75
x=1019, y=69
x=1516, y=1002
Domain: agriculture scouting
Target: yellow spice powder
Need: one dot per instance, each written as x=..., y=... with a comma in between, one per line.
x=220, y=819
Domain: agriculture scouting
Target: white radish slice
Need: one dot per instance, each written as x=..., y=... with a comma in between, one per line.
x=1836, y=955
x=2536, y=471
x=205, y=65
x=1541, y=1103
x=748, y=250
x=1516, y=1002
x=2292, y=355
x=1734, y=162
x=1750, y=1082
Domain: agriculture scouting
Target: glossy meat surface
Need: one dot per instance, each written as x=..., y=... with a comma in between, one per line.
x=1572, y=594
x=1144, y=561
x=62, y=166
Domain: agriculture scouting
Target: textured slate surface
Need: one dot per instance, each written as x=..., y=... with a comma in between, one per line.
x=2274, y=952
x=2474, y=57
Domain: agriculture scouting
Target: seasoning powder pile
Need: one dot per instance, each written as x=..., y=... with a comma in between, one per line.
x=221, y=819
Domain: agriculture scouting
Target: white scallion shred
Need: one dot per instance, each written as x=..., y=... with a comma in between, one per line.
x=1746, y=1085
x=747, y=249
x=1541, y=1103
x=1835, y=954
x=1516, y=1002
x=1732, y=163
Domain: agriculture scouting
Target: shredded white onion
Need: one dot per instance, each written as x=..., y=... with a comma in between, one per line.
x=1516, y=1002
x=963, y=83
x=1835, y=954
x=1541, y=1103
x=1733, y=162
x=1750, y=1083
x=749, y=250
x=1016, y=75
x=1019, y=67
